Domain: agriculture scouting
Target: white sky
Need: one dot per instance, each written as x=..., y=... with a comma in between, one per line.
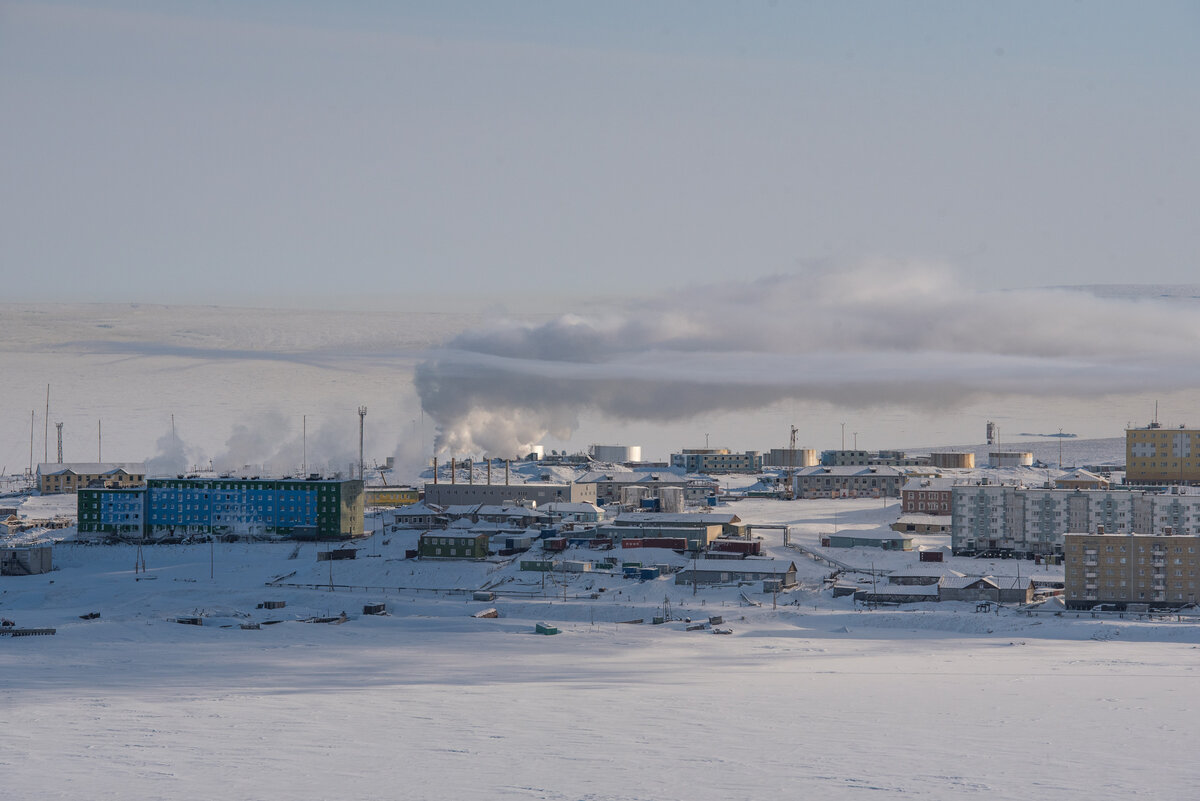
x=301, y=153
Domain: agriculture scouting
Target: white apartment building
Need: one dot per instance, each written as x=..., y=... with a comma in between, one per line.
x=1034, y=519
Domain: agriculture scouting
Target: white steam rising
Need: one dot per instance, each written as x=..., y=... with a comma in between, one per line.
x=879, y=334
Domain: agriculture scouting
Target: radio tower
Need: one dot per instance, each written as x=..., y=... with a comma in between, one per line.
x=362, y=416
x=59, y=427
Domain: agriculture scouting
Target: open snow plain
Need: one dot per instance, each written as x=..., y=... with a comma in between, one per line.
x=813, y=698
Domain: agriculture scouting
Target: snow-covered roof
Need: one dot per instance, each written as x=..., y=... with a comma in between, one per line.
x=510, y=511
x=90, y=468
x=882, y=471
x=571, y=508
x=936, y=484
x=930, y=590
x=928, y=569
x=462, y=509
x=779, y=566
x=961, y=582
x=1080, y=474
x=632, y=477
x=701, y=518
x=420, y=508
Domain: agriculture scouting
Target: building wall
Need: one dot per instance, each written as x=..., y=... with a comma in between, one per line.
x=391, y=496
x=1131, y=568
x=71, y=480
x=930, y=501
x=1162, y=456
x=443, y=545
x=721, y=461
x=996, y=516
x=443, y=494
x=865, y=483
x=200, y=506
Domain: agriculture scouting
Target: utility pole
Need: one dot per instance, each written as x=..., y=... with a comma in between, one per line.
x=362, y=416
x=46, y=433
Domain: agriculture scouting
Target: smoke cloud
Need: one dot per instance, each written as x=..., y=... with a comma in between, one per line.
x=878, y=334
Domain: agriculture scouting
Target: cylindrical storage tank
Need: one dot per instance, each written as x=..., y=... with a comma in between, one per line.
x=617, y=454
x=632, y=496
x=955, y=460
x=671, y=500
x=1010, y=459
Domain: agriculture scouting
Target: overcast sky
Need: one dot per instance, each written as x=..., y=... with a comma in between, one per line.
x=297, y=153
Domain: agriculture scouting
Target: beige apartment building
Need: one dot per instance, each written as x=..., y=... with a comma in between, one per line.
x=1157, y=455
x=1125, y=569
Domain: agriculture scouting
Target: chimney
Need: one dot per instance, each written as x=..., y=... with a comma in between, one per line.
x=435, y=470
x=453, y=469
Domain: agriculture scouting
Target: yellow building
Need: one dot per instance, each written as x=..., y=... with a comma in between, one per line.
x=1124, y=569
x=53, y=478
x=391, y=496
x=1156, y=455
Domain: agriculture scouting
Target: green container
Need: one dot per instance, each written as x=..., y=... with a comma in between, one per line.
x=545, y=628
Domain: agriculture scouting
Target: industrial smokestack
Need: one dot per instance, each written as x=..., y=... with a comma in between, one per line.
x=506, y=472
x=454, y=469
x=435, y=470
x=489, y=473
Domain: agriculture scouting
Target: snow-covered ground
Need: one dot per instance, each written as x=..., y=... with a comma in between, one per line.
x=810, y=698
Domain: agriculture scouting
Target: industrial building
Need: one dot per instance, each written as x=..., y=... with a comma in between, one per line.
x=443, y=494
x=27, y=561
x=1130, y=569
x=737, y=571
x=391, y=496
x=225, y=506
x=611, y=486
x=731, y=525
x=54, y=478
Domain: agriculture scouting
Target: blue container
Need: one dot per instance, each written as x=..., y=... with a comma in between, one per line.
x=649, y=573
x=650, y=504
x=631, y=572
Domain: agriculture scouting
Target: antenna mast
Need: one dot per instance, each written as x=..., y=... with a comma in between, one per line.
x=59, y=427
x=362, y=416
x=46, y=433
x=791, y=487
